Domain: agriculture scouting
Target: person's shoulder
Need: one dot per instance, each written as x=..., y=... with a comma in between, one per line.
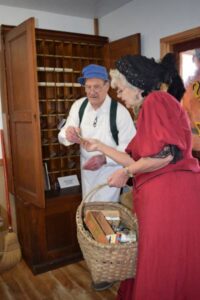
x=122, y=111
x=155, y=96
x=160, y=98
x=78, y=102
x=121, y=106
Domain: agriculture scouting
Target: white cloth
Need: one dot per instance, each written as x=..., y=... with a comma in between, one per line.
x=102, y=132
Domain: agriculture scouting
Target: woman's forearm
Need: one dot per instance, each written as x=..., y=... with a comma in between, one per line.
x=120, y=157
x=148, y=164
x=143, y=165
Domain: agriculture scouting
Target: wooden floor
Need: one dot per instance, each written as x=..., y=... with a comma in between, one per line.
x=71, y=282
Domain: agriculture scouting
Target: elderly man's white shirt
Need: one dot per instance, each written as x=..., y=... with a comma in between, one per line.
x=101, y=131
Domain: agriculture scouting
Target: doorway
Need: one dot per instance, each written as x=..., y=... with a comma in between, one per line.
x=183, y=45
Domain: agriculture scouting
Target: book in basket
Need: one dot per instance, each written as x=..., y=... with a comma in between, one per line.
x=95, y=228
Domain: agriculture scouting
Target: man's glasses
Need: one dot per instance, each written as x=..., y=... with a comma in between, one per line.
x=95, y=88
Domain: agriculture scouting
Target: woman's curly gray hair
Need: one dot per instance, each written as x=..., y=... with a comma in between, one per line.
x=117, y=77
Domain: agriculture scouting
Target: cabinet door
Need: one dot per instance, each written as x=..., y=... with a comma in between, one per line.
x=127, y=45
x=20, y=54
x=116, y=49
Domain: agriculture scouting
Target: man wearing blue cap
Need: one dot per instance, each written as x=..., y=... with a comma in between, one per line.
x=95, y=123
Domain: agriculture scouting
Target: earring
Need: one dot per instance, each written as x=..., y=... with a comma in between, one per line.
x=164, y=87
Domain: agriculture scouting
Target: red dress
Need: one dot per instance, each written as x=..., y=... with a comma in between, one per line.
x=167, y=203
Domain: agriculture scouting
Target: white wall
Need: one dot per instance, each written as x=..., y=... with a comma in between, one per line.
x=154, y=19
x=45, y=20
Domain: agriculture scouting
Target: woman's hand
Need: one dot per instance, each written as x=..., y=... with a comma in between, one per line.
x=90, y=144
x=118, y=178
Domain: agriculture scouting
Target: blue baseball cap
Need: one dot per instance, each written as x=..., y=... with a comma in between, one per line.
x=93, y=71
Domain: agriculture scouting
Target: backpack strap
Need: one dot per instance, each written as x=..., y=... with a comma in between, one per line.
x=82, y=109
x=113, y=116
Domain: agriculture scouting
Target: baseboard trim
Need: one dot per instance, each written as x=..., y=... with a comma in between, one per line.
x=53, y=264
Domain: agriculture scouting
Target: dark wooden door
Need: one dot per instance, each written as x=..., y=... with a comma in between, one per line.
x=118, y=48
x=23, y=108
x=127, y=45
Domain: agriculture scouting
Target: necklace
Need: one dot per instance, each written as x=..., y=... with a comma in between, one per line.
x=95, y=122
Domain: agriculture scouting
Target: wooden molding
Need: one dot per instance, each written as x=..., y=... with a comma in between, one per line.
x=96, y=26
x=167, y=43
x=1, y=162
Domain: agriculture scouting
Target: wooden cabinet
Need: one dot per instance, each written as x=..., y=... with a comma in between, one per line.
x=48, y=235
x=39, y=84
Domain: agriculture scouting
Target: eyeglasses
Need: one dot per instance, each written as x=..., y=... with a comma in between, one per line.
x=95, y=88
x=119, y=92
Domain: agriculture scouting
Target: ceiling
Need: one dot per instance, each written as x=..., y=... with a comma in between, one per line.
x=79, y=8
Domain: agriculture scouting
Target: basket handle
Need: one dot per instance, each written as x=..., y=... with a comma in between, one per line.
x=91, y=193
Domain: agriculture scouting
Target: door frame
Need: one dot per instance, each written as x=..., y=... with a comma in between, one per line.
x=168, y=43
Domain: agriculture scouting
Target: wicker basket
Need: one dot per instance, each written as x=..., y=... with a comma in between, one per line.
x=107, y=262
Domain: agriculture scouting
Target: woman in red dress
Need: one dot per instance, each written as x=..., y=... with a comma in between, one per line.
x=166, y=182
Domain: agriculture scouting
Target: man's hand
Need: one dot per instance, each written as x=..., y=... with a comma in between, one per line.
x=95, y=163
x=71, y=134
